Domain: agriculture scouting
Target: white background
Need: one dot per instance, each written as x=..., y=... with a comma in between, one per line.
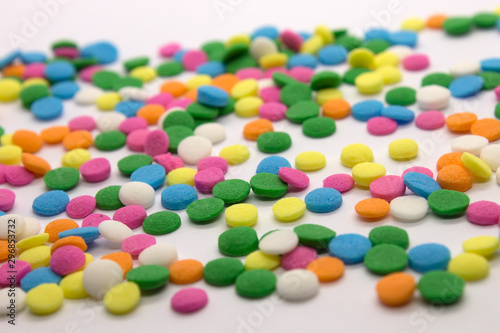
x=348, y=305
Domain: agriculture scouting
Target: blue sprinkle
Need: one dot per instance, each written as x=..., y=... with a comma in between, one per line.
x=2, y=213
x=178, y=55
x=366, y=110
x=39, y=276
x=420, y=184
x=490, y=65
x=323, y=200
x=398, y=113
x=305, y=35
x=350, y=248
x=212, y=96
x=332, y=55
x=8, y=59
x=377, y=33
x=65, y=89
x=59, y=71
x=153, y=175
x=179, y=196
x=272, y=164
x=129, y=108
x=408, y=38
x=212, y=68
x=498, y=24
x=268, y=31
x=47, y=108
x=103, y=52
x=466, y=86
x=304, y=60
x=31, y=57
x=429, y=257
x=89, y=234
x=51, y=203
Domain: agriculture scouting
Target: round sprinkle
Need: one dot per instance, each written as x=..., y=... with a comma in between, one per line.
x=350, y=248
x=205, y=210
x=314, y=236
x=354, y=154
x=241, y=215
x=274, y=142
x=421, y=184
x=430, y=120
x=108, y=141
x=223, y=271
x=429, y=257
x=448, y=202
x=122, y=298
x=372, y=208
x=149, y=277
x=381, y=126
x=387, y=187
x=50, y=203
x=409, y=208
x=178, y=196
x=297, y=285
x=186, y=271
x=301, y=111
x=47, y=108
x=189, y=300
x=389, y=235
x=289, y=209
x=61, y=178
x=45, y=299
x=268, y=185
x=310, y=161
x=323, y=200
x=403, y=149
x=318, y=127
x=161, y=223
x=256, y=283
x=108, y=199
x=440, y=287
x=238, y=241
x=469, y=266
x=385, y=258
x=396, y=289
x=365, y=173
x=235, y=154
x=481, y=245
x=129, y=164
x=278, y=242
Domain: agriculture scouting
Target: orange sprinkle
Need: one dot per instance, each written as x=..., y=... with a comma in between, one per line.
x=327, y=269
x=461, y=122
x=255, y=128
x=448, y=159
x=151, y=112
x=29, y=141
x=372, y=208
x=436, y=21
x=54, y=134
x=176, y=88
x=336, y=108
x=35, y=164
x=123, y=259
x=16, y=70
x=4, y=250
x=191, y=94
x=57, y=226
x=487, y=127
x=396, y=289
x=70, y=240
x=78, y=139
x=454, y=177
x=225, y=81
x=186, y=271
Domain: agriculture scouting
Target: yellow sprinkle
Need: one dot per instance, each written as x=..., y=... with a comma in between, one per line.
x=241, y=215
x=497, y=10
x=75, y=158
x=245, y=88
x=390, y=74
x=355, y=153
x=108, y=101
x=122, y=298
x=481, y=245
x=45, y=299
x=181, y=176
x=9, y=90
x=35, y=80
x=144, y=73
x=72, y=286
x=325, y=34
x=386, y=58
x=469, y=266
x=312, y=45
x=289, y=209
x=273, y=60
x=239, y=39
x=403, y=149
x=38, y=256
x=32, y=241
x=327, y=94
x=10, y=154
x=198, y=80
x=366, y=172
x=310, y=161
x=413, y=24
x=235, y=154
x=369, y=83
x=260, y=260
x=88, y=259
x=361, y=57
x=476, y=166
x=248, y=106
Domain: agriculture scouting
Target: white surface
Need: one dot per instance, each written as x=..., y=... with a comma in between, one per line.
x=348, y=305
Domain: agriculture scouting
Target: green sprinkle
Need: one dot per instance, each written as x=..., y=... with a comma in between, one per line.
x=205, y=210
x=313, y=235
x=223, y=271
x=485, y=20
x=349, y=42
x=214, y=50
x=448, y=202
x=63, y=43
x=295, y=92
x=31, y=93
x=161, y=223
x=386, y=258
x=441, y=79
x=238, y=241
x=274, y=142
x=351, y=74
x=63, y=178
x=318, y=127
x=497, y=111
x=170, y=68
x=244, y=61
x=2, y=131
x=458, y=25
x=491, y=80
x=127, y=81
x=105, y=79
x=268, y=185
x=181, y=118
x=81, y=63
x=108, y=199
x=302, y=110
x=376, y=45
x=440, y=287
x=129, y=164
x=389, y=235
x=149, y=277
x=339, y=32
x=401, y=96
x=229, y=108
x=256, y=283
x=234, y=51
x=325, y=79
x=135, y=62
x=282, y=80
x=176, y=134
x=111, y=140
x=231, y=191
x=200, y=111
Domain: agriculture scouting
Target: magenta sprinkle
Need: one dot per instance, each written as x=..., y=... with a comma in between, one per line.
x=135, y=244
x=18, y=176
x=301, y=73
x=85, y=123
x=212, y=161
x=300, y=257
x=168, y=161
x=341, y=182
x=132, y=216
x=270, y=94
x=7, y=199
x=163, y=99
x=93, y=220
x=430, y=120
x=249, y=73
x=294, y=177
x=189, y=300
x=388, y=187
x=419, y=169
x=381, y=126
x=483, y=213
x=81, y=206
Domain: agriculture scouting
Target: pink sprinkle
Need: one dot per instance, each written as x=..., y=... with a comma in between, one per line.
x=270, y=94
x=2, y=173
x=95, y=170
x=205, y=180
x=162, y=98
x=18, y=176
x=189, y=300
x=135, y=244
x=33, y=70
x=136, y=139
x=497, y=93
x=192, y=59
x=67, y=52
x=301, y=73
x=86, y=73
x=381, y=126
x=388, y=187
x=341, y=182
x=273, y=111
x=7, y=199
x=168, y=50
x=156, y=143
x=249, y=73
x=212, y=161
x=132, y=124
x=168, y=161
x=81, y=206
x=93, y=220
x=292, y=40
x=483, y=213
x=268, y=74
x=300, y=257
x=179, y=103
x=132, y=216
x=20, y=267
x=419, y=169
x=430, y=120
x=294, y=177
x=67, y=259
x=416, y=62
x=86, y=123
